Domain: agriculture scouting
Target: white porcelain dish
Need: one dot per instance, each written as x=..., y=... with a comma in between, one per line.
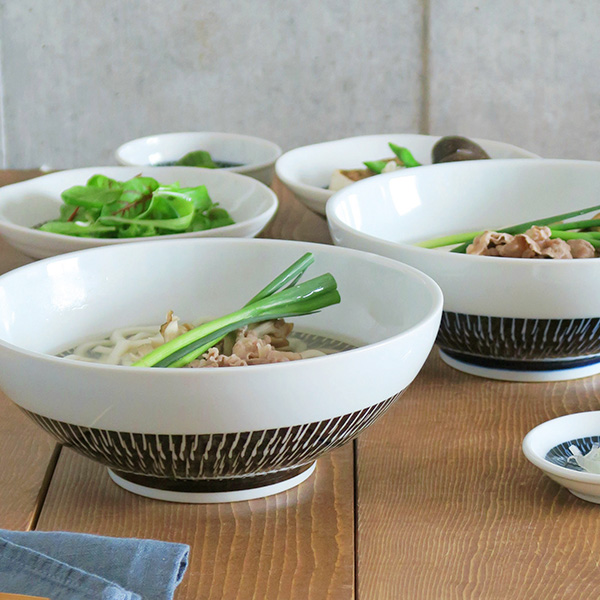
x=547, y=447
x=504, y=318
x=254, y=157
x=307, y=170
x=207, y=435
x=28, y=203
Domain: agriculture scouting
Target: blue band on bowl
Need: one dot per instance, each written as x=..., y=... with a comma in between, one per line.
x=520, y=344
x=522, y=365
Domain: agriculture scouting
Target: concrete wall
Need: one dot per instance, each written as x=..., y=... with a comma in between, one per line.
x=79, y=78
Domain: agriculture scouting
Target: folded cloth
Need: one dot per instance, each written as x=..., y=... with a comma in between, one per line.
x=77, y=566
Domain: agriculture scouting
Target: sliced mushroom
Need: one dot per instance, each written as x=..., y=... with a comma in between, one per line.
x=454, y=147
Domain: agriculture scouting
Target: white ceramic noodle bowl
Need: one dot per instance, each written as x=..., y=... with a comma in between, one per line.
x=28, y=203
x=230, y=433
x=255, y=157
x=307, y=170
x=504, y=318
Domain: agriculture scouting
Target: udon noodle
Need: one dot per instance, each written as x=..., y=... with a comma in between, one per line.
x=261, y=343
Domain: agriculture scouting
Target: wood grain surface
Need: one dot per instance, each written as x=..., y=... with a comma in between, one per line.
x=294, y=221
x=15, y=175
x=26, y=456
x=295, y=545
x=26, y=452
x=448, y=506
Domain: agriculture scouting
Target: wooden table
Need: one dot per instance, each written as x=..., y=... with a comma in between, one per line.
x=434, y=501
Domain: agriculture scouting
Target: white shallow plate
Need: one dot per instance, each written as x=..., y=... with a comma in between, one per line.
x=556, y=435
x=307, y=170
x=255, y=156
x=24, y=205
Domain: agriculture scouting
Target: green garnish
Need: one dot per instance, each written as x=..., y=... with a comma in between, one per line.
x=272, y=302
x=465, y=239
x=138, y=207
x=576, y=224
x=592, y=237
x=405, y=156
x=449, y=240
x=377, y=166
x=197, y=158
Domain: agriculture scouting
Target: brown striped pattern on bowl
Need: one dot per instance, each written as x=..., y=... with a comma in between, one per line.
x=217, y=456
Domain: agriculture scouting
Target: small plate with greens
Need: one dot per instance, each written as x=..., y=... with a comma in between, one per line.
x=314, y=173
x=83, y=208
x=233, y=152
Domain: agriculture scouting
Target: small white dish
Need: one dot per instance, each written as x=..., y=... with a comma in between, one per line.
x=28, y=203
x=307, y=170
x=547, y=447
x=254, y=157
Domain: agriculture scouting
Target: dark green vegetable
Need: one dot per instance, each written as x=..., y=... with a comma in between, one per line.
x=138, y=207
x=272, y=302
x=197, y=158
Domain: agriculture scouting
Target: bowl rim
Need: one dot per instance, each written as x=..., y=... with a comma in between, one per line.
x=434, y=314
x=275, y=149
x=36, y=234
x=318, y=193
x=339, y=198
x=551, y=468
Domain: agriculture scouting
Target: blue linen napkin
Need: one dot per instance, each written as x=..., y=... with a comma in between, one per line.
x=77, y=566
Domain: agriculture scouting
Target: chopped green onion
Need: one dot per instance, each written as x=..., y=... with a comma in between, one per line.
x=377, y=166
x=405, y=156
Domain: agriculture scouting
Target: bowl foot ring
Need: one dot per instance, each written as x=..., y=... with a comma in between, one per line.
x=211, y=491
x=507, y=374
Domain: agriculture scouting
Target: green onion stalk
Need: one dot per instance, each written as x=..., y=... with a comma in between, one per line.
x=592, y=237
x=558, y=230
x=272, y=302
